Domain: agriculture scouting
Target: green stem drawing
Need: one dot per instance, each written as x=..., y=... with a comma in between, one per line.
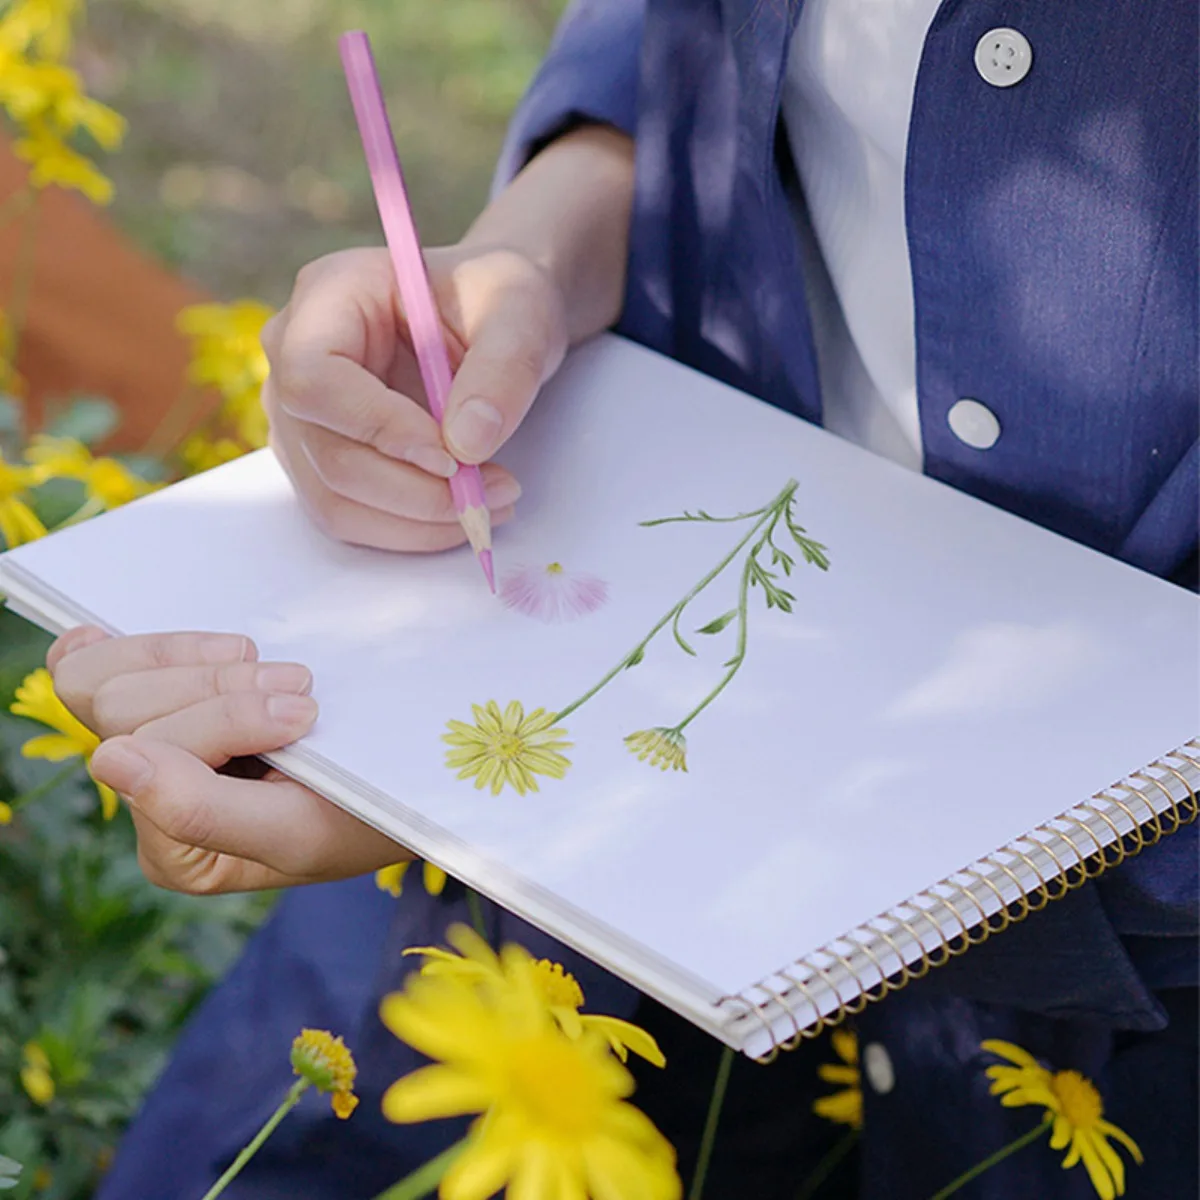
x=765, y=520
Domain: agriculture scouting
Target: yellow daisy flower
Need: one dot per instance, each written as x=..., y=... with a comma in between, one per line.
x=477, y=963
x=54, y=164
x=556, y=1121
x=18, y=522
x=200, y=453
x=51, y=96
x=1073, y=1103
x=6, y=813
x=663, y=748
x=326, y=1062
x=245, y=413
x=37, y=700
x=844, y=1107
x=227, y=348
x=507, y=747
x=36, y=1077
x=391, y=879
x=108, y=483
x=43, y=25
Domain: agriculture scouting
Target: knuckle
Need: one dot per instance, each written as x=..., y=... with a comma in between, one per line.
x=337, y=463
x=106, y=708
x=297, y=393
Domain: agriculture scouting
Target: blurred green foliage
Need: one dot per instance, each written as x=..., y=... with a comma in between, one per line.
x=242, y=163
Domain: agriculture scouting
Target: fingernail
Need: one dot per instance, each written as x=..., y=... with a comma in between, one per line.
x=430, y=458
x=502, y=493
x=122, y=768
x=475, y=429
x=291, y=708
x=225, y=647
x=80, y=636
x=283, y=677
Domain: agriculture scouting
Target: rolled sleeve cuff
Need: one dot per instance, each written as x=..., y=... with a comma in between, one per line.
x=590, y=75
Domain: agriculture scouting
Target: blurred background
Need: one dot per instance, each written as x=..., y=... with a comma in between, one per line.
x=129, y=357
x=242, y=161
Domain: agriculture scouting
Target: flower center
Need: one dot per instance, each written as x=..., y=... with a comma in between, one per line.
x=554, y=569
x=1081, y=1102
x=551, y=1080
x=507, y=746
x=558, y=987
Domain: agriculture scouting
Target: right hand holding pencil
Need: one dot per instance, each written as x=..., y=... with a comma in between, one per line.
x=349, y=419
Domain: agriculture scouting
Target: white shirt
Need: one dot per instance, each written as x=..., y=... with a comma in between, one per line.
x=847, y=100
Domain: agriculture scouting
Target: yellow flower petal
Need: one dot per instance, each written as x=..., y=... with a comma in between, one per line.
x=109, y=802
x=631, y=1037
x=1108, y=1128
x=836, y=1073
x=480, y=1172
x=1013, y=1053
x=6, y=813
x=1101, y=1179
x=433, y=1092
x=52, y=747
x=1110, y=1159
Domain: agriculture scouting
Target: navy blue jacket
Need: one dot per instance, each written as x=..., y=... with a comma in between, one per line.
x=1052, y=233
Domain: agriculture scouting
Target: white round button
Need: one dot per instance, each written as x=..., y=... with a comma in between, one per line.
x=877, y=1066
x=974, y=424
x=1003, y=57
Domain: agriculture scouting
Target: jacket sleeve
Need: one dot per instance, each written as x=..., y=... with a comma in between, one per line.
x=590, y=75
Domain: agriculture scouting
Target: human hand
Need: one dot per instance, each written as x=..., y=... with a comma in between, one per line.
x=171, y=710
x=348, y=414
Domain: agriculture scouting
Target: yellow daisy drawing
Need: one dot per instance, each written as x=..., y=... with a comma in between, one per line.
x=507, y=747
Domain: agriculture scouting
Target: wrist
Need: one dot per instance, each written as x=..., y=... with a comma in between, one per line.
x=568, y=214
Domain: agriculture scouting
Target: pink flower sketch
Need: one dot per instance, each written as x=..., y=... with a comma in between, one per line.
x=551, y=593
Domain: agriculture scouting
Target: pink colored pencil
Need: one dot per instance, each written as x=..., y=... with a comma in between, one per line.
x=400, y=232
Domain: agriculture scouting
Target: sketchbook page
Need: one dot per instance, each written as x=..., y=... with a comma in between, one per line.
x=955, y=677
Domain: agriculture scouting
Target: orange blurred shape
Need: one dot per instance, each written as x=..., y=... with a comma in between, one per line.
x=101, y=313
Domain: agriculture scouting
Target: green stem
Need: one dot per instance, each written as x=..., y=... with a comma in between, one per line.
x=475, y=908
x=992, y=1159
x=709, y=1136
x=739, y=654
x=827, y=1165
x=47, y=785
x=289, y=1102
x=766, y=515
x=22, y=280
x=15, y=205
x=423, y=1180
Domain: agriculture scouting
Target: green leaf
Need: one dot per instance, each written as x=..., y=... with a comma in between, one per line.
x=89, y=419
x=720, y=623
x=679, y=636
x=10, y=1172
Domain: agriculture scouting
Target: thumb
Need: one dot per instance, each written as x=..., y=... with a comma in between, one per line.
x=517, y=345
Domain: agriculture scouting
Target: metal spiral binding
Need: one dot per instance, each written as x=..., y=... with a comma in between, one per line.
x=871, y=961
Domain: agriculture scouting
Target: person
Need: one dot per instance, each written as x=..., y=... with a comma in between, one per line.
x=962, y=235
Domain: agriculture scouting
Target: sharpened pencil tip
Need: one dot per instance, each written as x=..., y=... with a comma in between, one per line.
x=485, y=561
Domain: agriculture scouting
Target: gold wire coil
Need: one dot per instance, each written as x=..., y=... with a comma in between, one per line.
x=1093, y=857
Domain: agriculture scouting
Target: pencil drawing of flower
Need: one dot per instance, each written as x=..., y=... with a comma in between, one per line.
x=662, y=748
x=552, y=593
x=507, y=746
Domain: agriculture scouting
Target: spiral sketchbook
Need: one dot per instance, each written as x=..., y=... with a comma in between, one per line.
x=761, y=722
